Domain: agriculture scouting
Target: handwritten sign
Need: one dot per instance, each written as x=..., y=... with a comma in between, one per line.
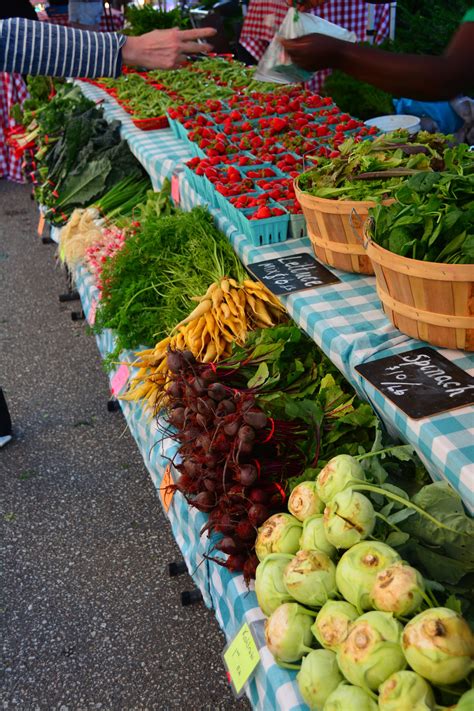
x=241, y=658
x=297, y=272
x=92, y=312
x=166, y=494
x=420, y=382
x=119, y=379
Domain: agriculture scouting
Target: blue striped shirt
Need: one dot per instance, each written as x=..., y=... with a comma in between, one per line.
x=30, y=47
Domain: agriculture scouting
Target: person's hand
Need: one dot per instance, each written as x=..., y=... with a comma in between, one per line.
x=165, y=49
x=314, y=51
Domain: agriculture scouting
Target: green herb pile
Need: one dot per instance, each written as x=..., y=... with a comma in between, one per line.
x=431, y=220
x=150, y=283
x=145, y=19
x=143, y=99
x=80, y=156
x=375, y=169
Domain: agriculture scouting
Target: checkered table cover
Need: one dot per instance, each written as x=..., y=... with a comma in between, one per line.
x=12, y=91
x=272, y=687
x=158, y=151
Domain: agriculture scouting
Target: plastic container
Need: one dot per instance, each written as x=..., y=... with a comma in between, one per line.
x=392, y=122
x=267, y=231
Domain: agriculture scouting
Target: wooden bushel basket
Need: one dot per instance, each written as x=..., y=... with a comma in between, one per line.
x=332, y=233
x=427, y=300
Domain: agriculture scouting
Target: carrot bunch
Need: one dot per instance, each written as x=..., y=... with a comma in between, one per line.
x=223, y=316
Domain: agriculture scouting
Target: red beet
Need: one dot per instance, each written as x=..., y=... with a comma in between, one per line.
x=256, y=419
x=247, y=474
x=245, y=530
x=257, y=514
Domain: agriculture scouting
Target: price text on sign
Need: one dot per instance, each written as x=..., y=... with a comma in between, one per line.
x=119, y=379
x=241, y=658
x=166, y=493
x=421, y=382
x=298, y=272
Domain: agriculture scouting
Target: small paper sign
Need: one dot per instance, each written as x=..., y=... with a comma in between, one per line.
x=420, y=382
x=175, y=189
x=92, y=311
x=166, y=494
x=298, y=272
x=119, y=379
x=41, y=223
x=241, y=658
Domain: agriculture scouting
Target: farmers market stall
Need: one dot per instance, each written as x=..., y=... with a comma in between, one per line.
x=267, y=406
x=345, y=319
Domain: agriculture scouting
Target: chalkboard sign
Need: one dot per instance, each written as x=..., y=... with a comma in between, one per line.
x=297, y=272
x=421, y=382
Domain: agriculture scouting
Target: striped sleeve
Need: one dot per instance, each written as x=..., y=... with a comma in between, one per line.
x=30, y=47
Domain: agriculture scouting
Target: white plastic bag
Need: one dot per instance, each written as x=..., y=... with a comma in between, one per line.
x=276, y=66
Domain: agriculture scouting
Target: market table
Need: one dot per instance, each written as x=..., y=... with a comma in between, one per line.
x=345, y=320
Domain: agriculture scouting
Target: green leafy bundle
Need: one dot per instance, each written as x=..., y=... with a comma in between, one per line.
x=375, y=169
x=81, y=155
x=150, y=283
x=294, y=381
x=145, y=19
x=431, y=220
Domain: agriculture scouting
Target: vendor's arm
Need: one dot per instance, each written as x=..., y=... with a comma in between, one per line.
x=417, y=76
x=30, y=47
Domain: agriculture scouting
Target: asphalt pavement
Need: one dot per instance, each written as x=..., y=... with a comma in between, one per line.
x=90, y=617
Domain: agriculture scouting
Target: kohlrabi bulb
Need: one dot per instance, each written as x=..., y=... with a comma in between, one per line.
x=269, y=586
x=310, y=577
x=348, y=518
x=406, y=691
x=304, y=501
x=318, y=677
x=439, y=645
x=358, y=568
x=371, y=651
x=349, y=698
x=288, y=632
x=279, y=534
x=399, y=589
x=339, y=473
x=332, y=623
x=466, y=702
x=314, y=538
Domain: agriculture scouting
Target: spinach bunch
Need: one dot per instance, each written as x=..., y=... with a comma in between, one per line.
x=432, y=218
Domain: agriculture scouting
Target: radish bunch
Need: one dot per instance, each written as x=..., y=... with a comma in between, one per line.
x=235, y=460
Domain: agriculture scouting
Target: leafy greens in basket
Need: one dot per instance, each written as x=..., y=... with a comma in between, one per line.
x=375, y=169
x=431, y=220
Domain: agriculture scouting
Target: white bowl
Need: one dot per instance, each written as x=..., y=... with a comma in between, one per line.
x=394, y=121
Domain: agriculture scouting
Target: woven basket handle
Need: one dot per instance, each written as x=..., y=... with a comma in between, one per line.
x=358, y=226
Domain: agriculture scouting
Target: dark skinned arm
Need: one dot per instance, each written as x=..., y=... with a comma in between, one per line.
x=417, y=76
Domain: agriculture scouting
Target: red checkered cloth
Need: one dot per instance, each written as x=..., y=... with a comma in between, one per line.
x=108, y=23
x=264, y=18
x=12, y=91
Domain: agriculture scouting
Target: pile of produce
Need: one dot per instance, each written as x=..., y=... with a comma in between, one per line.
x=250, y=424
x=340, y=596
x=79, y=155
x=375, y=169
x=146, y=18
x=150, y=285
x=87, y=226
x=432, y=218
x=153, y=94
x=226, y=314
